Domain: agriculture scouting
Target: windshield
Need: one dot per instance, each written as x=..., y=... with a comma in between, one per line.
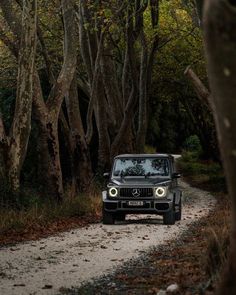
x=141, y=167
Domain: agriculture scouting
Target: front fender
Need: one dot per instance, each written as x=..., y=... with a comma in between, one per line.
x=178, y=195
x=170, y=196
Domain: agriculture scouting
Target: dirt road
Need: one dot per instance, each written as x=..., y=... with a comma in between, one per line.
x=67, y=260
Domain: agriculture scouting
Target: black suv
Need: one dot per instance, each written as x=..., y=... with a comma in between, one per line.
x=145, y=184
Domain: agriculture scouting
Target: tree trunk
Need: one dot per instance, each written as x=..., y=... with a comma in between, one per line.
x=21, y=127
x=220, y=37
x=54, y=157
x=4, y=145
x=48, y=113
x=81, y=161
x=102, y=125
x=142, y=119
x=113, y=94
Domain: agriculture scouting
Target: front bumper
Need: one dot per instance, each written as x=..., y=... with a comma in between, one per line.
x=150, y=206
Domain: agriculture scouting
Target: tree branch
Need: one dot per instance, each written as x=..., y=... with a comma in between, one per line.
x=201, y=90
x=62, y=85
x=89, y=132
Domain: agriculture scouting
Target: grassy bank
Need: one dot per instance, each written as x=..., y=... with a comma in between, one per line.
x=205, y=174
x=42, y=218
x=214, y=230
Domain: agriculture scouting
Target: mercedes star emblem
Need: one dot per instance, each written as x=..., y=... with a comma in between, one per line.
x=136, y=192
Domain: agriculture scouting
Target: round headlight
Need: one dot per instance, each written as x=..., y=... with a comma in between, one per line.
x=113, y=192
x=160, y=192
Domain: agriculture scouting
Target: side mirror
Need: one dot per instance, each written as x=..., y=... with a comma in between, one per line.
x=176, y=175
x=106, y=175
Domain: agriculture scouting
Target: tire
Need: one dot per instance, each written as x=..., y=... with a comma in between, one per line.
x=107, y=218
x=178, y=215
x=169, y=218
x=120, y=217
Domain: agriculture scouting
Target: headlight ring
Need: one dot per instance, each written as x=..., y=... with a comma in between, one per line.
x=160, y=192
x=113, y=192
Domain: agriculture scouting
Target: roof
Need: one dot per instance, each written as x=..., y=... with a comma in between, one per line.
x=144, y=156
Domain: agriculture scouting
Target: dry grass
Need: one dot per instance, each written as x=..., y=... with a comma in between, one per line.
x=209, y=176
x=218, y=240
x=42, y=215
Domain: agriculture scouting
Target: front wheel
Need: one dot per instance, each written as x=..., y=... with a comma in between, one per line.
x=169, y=218
x=120, y=217
x=107, y=218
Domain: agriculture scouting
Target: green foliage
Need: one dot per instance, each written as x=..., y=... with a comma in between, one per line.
x=172, y=97
x=193, y=144
x=208, y=173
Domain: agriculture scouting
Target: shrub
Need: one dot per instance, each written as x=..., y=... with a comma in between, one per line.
x=193, y=144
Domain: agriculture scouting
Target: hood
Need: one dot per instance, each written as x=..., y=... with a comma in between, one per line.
x=140, y=181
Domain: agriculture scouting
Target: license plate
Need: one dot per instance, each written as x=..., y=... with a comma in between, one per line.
x=135, y=203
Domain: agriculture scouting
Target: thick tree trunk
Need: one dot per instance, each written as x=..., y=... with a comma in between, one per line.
x=48, y=114
x=102, y=125
x=58, y=92
x=81, y=161
x=4, y=145
x=113, y=94
x=220, y=35
x=54, y=157
x=21, y=126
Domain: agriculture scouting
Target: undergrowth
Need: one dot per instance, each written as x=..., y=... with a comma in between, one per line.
x=206, y=173
x=40, y=212
x=209, y=175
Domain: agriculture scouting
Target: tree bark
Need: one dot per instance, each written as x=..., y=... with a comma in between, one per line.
x=220, y=38
x=142, y=120
x=146, y=65
x=4, y=144
x=201, y=90
x=81, y=161
x=21, y=126
x=48, y=113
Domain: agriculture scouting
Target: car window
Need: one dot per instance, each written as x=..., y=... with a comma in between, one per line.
x=141, y=167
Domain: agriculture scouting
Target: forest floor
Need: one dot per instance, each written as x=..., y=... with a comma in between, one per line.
x=63, y=262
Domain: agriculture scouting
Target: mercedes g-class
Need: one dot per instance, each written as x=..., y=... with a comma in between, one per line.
x=145, y=184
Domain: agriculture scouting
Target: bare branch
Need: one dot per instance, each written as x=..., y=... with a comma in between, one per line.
x=89, y=132
x=62, y=85
x=201, y=90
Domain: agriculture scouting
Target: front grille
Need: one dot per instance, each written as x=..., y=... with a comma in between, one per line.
x=136, y=192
